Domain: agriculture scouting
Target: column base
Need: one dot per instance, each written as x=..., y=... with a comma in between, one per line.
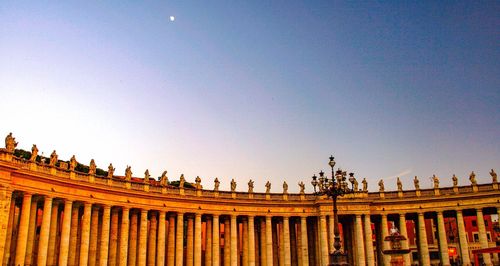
x=337, y=258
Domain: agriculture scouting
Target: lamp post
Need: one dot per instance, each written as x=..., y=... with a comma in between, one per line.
x=334, y=187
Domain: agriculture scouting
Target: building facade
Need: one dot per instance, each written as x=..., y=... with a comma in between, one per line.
x=54, y=213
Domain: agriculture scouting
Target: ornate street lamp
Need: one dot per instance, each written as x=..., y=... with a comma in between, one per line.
x=334, y=187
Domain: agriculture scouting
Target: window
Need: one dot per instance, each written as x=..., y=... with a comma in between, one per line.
x=476, y=237
x=488, y=236
x=486, y=222
x=474, y=223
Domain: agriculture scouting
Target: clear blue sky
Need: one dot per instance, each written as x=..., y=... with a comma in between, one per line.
x=258, y=89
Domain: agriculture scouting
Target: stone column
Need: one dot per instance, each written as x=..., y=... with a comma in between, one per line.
x=215, y=241
x=281, y=241
x=152, y=239
x=65, y=231
x=360, y=250
x=160, y=256
x=85, y=238
x=370, y=258
x=443, y=242
x=94, y=232
x=462, y=235
x=143, y=238
x=208, y=242
x=304, y=241
x=43, y=241
x=323, y=240
x=6, y=207
x=124, y=231
x=51, y=252
x=179, y=240
x=189, y=240
x=197, y=239
x=385, y=232
x=227, y=241
x=113, y=235
x=286, y=244
x=293, y=242
x=251, y=241
x=244, y=234
x=106, y=216
x=269, y=241
x=422, y=241
x=263, y=243
x=234, y=240
x=132, y=239
x=403, y=232
x=331, y=239
x=171, y=240
x=483, y=240
x=73, y=237
x=28, y=260
x=22, y=233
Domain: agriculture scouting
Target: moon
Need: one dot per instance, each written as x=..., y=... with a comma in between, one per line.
x=172, y=18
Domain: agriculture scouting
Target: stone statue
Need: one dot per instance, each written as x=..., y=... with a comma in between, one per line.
x=302, y=187
x=394, y=230
x=92, y=167
x=53, y=158
x=365, y=185
x=216, y=184
x=417, y=183
x=146, y=177
x=233, y=185
x=111, y=171
x=198, y=182
x=455, y=180
x=182, y=180
x=250, y=186
x=400, y=185
x=128, y=173
x=494, y=177
x=10, y=143
x=72, y=163
x=381, y=187
x=472, y=178
x=34, y=153
x=164, y=179
x=435, y=181
x=355, y=185
x=268, y=187
x=285, y=188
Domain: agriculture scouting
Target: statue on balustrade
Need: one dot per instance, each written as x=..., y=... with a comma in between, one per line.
x=10, y=143
x=72, y=163
x=365, y=185
x=416, y=182
x=146, y=177
x=250, y=186
x=435, y=180
x=268, y=187
x=381, y=187
x=198, y=182
x=455, y=180
x=472, y=178
x=92, y=167
x=164, y=179
x=128, y=173
x=216, y=184
x=182, y=180
x=53, y=158
x=302, y=187
x=400, y=185
x=285, y=188
x=355, y=184
x=111, y=171
x=34, y=153
x=493, y=176
x=233, y=185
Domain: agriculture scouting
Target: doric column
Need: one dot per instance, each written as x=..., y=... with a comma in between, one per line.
x=281, y=241
x=323, y=240
x=152, y=239
x=208, y=242
x=94, y=231
x=51, y=251
x=251, y=241
x=113, y=236
x=143, y=238
x=304, y=241
x=160, y=256
x=179, y=240
x=286, y=244
x=22, y=233
x=385, y=232
x=370, y=258
x=403, y=232
x=65, y=231
x=263, y=243
x=7, y=204
x=85, y=237
x=73, y=237
x=171, y=240
x=197, y=239
x=483, y=240
x=124, y=231
x=269, y=241
x=28, y=261
x=360, y=250
x=132, y=239
x=244, y=233
x=234, y=240
x=189, y=240
x=43, y=241
x=227, y=241
x=462, y=235
x=422, y=241
x=443, y=242
x=293, y=242
x=215, y=241
x=106, y=216
x=331, y=239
